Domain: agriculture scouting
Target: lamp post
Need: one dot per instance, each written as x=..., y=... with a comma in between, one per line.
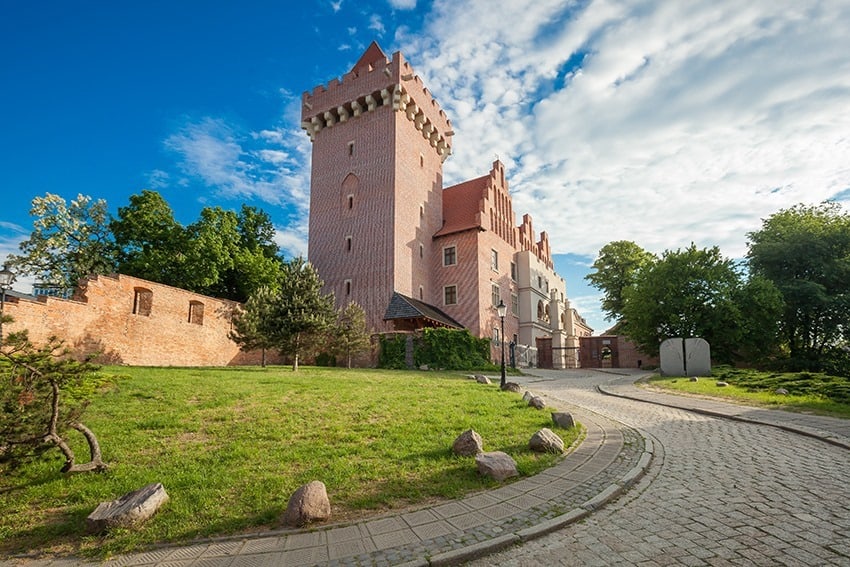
x=502, y=309
x=6, y=277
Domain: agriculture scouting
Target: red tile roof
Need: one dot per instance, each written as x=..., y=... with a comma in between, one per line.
x=463, y=206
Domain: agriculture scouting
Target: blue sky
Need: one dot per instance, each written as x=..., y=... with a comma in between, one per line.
x=664, y=123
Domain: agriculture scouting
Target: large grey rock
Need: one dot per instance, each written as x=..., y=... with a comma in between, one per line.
x=697, y=357
x=537, y=402
x=672, y=357
x=496, y=464
x=512, y=387
x=468, y=443
x=308, y=504
x=563, y=419
x=482, y=379
x=128, y=511
x=545, y=441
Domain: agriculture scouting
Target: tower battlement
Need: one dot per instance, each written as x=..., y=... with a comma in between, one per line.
x=377, y=82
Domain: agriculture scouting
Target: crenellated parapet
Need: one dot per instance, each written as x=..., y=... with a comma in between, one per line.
x=376, y=82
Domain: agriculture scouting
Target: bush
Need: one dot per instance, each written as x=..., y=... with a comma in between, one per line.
x=452, y=349
x=392, y=352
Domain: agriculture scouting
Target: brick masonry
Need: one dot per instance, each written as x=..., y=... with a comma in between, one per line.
x=100, y=319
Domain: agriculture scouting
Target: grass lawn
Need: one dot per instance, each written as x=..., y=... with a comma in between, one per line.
x=815, y=393
x=231, y=445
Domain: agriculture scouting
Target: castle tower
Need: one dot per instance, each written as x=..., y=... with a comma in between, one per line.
x=379, y=141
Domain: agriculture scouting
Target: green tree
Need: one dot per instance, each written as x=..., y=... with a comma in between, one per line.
x=302, y=312
x=253, y=323
x=68, y=241
x=805, y=252
x=151, y=243
x=760, y=307
x=351, y=337
x=615, y=270
x=686, y=293
x=212, y=243
x=43, y=394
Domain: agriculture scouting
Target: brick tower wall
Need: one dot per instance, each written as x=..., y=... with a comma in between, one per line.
x=379, y=140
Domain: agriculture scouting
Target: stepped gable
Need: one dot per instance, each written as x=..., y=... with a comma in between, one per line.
x=376, y=82
x=541, y=248
x=483, y=203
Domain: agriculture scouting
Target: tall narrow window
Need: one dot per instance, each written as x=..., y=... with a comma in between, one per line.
x=348, y=244
x=515, y=304
x=513, y=271
x=421, y=251
x=142, y=301
x=495, y=296
x=450, y=295
x=421, y=293
x=494, y=260
x=350, y=202
x=350, y=148
x=196, y=312
x=347, y=287
x=449, y=256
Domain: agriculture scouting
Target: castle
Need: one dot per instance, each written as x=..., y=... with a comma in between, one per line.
x=385, y=233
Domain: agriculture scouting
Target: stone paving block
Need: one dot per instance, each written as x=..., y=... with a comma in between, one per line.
x=527, y=501
x=308, y=539
x=221, y=549
x=394, y=539
x=214, y=562
x=420, y=517
x=190, y=552
x=347, y=533
x=384, y=525
x=347, y=548
x=433, y=530
x=481, y=501
x=468, y=520
x=500, y=511
x=306, y=556
x=264, y=545
x=450, y=509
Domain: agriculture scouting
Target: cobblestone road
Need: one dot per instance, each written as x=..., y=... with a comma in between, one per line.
x=718, y=493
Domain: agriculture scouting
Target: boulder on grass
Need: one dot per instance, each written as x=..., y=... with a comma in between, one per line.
x=308, y=504
x=527, y=396
x=468, y=443
x=563, y=419
x=537, y=402
x=128, y=511
x=481, y=379
x=512, y=387
x=496, y=464
x=545, y=441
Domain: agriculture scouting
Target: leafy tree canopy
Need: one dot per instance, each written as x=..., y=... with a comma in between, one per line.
x=615, y=270
x=68, y=241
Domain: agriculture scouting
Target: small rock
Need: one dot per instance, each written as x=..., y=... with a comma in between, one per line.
x=781, y=391
x=468, y=443
x=512, y=387
x=423, y=367
x=131, y=509
x=537, y=402
x=308, y=504
x=482, y=379
x=496, y=464
x=722, y=384
x=527, y=396
x=545, y=441
x=563, y=419
x=693, y=379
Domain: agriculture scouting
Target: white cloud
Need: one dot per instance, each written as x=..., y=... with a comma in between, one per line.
x=271, y=165
x=158, y=179
x=336, y=6
x=403, y=4
x=686, y=121
x=292, y=240
x=376, y=24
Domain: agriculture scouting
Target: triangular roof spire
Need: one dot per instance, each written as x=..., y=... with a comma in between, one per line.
x=372, y=55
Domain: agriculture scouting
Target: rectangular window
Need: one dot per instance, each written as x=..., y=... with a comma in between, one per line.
x=350, y=148
x=449, y=256
x=421, y=251
x=495, y=298
x=494, y=260
x=515, y=304
x=513, y=271
x=350, y=202
x=348, y=244
x=196, y=312
x=495, y=335
x=347, y=287
x=142, y=301
x=450, y=295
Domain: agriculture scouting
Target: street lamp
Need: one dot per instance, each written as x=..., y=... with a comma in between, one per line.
x=502, y=309
x=6, y=277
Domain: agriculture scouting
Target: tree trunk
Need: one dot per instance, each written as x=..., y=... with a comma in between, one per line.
x=96, y=463
x=263, y=357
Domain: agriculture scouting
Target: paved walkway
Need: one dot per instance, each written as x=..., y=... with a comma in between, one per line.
x=621, y=451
